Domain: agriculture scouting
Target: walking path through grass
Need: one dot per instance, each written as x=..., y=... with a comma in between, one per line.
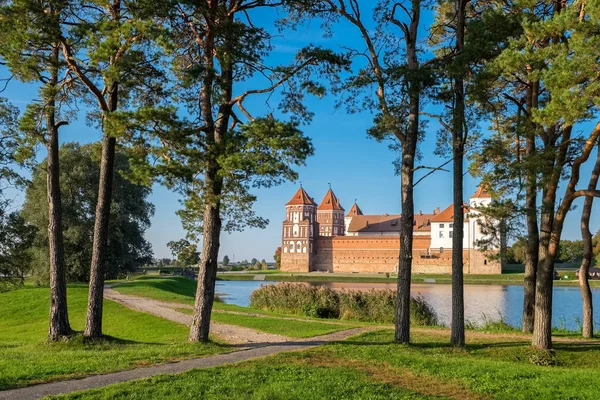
x=258, y=351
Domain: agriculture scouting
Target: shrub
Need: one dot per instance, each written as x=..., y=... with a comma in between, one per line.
x=321, y=302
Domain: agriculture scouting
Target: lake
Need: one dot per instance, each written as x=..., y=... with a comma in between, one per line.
x=481, y=301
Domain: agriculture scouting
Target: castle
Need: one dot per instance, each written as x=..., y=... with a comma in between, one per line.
x=324, y=238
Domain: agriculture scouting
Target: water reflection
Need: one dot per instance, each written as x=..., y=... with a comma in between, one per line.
x=481, y=301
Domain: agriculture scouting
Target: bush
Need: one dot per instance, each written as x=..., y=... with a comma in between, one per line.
x=321, y=302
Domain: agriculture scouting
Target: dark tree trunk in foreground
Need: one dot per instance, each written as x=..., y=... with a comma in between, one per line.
x=215, y=132
x=551, y=230
x=407, y=172
x=93, y=323
x=59, y=317
x=207, y=275
x=402, y=334
x=533, y=236
x=457, y=336
x=584, y=285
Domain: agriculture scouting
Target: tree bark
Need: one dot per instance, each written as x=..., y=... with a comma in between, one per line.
x=533, y=236
x=402, y=334
x=213, y=188
x=59, y=317
x=407, y=171
x=551, y=232
x=207, y=275
x=457, y=336
x=584, y=285
x=93, y=323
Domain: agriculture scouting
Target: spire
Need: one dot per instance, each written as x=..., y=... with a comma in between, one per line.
x=355, y=210
x=301, y=198
x=330, y=202
x=481, y=193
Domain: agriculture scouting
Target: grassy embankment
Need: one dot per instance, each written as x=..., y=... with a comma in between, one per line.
x=133, y=339
x=507, y=278
x=493, y=366
x=182, y=290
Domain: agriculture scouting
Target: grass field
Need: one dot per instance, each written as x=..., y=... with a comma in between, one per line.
x=512, y=276
x=134, y=339
x=493, y=366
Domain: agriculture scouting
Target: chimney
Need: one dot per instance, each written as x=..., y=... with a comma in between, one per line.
x=437, y=210
x=367, y=224
x=420, y=212
x=433, y=211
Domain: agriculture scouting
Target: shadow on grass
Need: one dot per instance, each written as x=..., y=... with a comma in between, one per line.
x=176, y=285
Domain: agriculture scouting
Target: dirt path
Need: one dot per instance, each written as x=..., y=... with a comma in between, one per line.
x=229, y=333
x=96, y=381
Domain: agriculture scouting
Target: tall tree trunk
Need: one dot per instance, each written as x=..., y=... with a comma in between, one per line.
x=93, y=323
x=205, y=291
x=402, y=334
x=407, y=171
x=542, y=326
x=207, y=275
x=59, y=317
x=584, y=285
x=457, y=336
x=533, y=236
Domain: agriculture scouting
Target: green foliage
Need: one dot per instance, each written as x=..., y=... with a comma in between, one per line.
x=129, y=218
x=277, y=258
x=322, y=302
x=16, y=239
x=226, y=260
x=184, y=252
x=132, y=339
x=570, y=251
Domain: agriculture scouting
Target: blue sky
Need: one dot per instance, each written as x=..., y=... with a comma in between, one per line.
x=356, y=166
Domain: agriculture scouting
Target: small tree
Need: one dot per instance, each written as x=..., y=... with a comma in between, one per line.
x=16, y=239
x=264, y=265
x=277, y=258
x=185, y=252
x=225, y=260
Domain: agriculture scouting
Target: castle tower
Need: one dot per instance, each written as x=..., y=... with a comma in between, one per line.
x=330, y=216
x=298, y=232
x=354, y=211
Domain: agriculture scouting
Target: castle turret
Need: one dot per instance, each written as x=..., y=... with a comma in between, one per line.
x=298, y=232
x=330, y=216
x=354, y=211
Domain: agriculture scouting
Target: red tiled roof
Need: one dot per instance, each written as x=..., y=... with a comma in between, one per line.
x=355, y=210
x=301, y=198
x=387, y=223
x=481, y=193
x=330, y=202
x=448, y=214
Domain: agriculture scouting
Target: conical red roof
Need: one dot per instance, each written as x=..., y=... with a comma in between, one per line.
x=330, y=202
x=355, y=210
x=481, y=193
x=301, y=198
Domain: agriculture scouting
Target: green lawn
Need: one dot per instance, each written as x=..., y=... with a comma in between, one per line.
x=286, y=327
x=182, y=290
x=135, y=339
x=372, y=367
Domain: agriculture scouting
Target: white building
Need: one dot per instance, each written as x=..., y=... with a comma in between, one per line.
x=442, y=225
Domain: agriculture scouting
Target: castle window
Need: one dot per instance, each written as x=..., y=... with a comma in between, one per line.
x=291, y=247
x=451, y=226
x=484, y=262
x=441, y=250
x=441, y=234
x=450, y=234
x=441, y=226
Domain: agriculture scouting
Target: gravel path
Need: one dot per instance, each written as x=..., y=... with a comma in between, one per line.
x=229, y=333
x=96, y=381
